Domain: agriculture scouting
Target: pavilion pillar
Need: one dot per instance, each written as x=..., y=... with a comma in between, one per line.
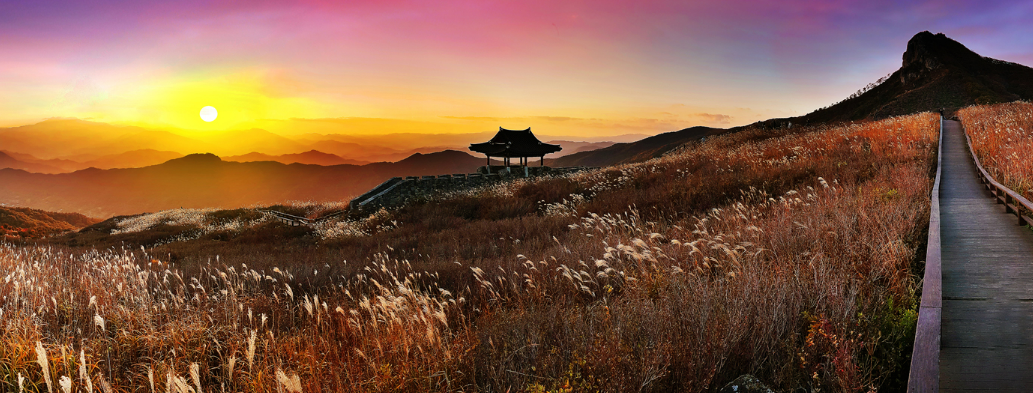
x=542, y=162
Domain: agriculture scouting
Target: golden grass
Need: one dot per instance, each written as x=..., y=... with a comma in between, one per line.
x=804, y=276
x=1002, y=137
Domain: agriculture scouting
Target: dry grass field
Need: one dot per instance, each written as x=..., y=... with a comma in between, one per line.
x=790, y=254
x=1002, y=136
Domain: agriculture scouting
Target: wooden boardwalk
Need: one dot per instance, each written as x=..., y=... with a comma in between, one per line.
x=986, y=339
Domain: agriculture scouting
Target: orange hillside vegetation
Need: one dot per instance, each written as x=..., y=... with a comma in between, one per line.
x=1002, y=136
x=25, y=222
x=790, y=254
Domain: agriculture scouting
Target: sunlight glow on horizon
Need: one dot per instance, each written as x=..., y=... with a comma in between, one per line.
x=571, y=68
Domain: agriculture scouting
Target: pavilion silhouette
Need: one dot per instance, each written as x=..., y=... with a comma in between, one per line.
x=521, y=144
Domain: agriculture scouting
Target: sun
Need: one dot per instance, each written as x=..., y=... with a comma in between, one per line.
x=209, y=113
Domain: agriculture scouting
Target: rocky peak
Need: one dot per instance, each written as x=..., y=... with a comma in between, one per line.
x=933, y=51
x=929, y=53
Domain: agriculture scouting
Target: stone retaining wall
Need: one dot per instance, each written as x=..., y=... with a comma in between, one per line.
x=397, y=191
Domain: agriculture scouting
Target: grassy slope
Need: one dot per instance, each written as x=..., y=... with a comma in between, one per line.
x=645, y=149
x=32, y=223
x=937, y=73
x=1002, y=136
x=638, y=275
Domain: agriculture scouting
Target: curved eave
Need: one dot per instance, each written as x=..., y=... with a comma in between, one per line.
x=499, y=150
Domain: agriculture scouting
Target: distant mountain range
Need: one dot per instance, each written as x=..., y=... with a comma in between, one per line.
x=205, y=180
x=936, y=73
x=62, y=145
x=311, y=157
x=129, y=159
x=9, y=160
x=67, y=145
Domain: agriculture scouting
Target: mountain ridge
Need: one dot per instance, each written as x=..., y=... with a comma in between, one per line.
x=313, y=157
x=651, y=147
x=206, y=180
x=936, y=73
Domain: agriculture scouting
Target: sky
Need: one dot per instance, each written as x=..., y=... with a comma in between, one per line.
x=587, y=68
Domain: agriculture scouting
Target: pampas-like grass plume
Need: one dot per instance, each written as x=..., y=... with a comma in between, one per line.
x=291, y=383
x=41, y=359
x=104, y=385
x=195, y=375
x=83, y=375
x=66, y=384
x=251, y=351
x=99, y=322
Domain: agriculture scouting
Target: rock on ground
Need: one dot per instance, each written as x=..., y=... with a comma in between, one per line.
x=746, y=383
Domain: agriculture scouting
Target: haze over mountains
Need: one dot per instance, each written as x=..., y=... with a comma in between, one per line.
x=205, y=180
x=129, y=159
x=936, y=72
x=311, y=157
x=67, y=145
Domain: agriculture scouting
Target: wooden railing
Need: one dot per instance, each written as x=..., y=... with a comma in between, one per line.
x=925, y=357
x=1013, y=202
x=293, y=220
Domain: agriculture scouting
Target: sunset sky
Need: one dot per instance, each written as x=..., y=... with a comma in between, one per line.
x=588, y=68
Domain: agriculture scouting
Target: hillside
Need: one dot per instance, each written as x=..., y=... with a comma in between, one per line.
x=670, y=252
x=205, y=180
x=32, y=223
x=936, y=72
x=642, y=150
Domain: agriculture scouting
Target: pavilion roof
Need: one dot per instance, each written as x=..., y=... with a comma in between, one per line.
x=515, y=143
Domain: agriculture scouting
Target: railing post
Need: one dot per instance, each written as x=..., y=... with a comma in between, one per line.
x=1010, y=197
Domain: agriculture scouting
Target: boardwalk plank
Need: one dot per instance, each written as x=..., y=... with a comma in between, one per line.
x=987, y=316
